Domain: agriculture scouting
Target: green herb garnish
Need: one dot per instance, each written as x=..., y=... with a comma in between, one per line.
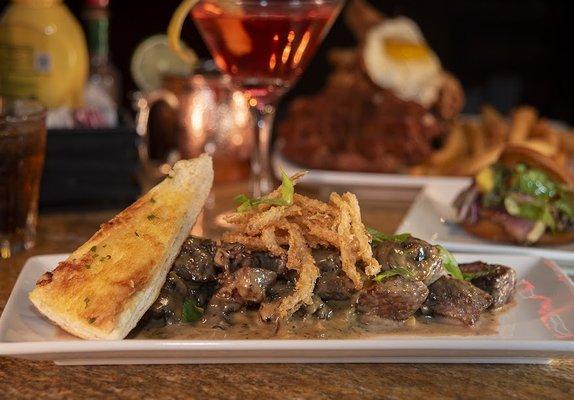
x=379, y=237
x=534, y=182
x=449, y=263
x=93, y=248
x=88, y=266
x=151, y=217
x=245, y=203
x=86, y=302
x=565, y=207
x=393, y=272
x=152, y=200
x=191, y=312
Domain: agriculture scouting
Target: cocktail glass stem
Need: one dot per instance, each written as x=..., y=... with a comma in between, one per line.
x=261, y=175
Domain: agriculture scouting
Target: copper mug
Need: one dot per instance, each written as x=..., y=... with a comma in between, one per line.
x=188, y=116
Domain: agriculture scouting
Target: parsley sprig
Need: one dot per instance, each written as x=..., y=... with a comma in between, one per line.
x=449, y=263
x=245, y=203
x=191, y=312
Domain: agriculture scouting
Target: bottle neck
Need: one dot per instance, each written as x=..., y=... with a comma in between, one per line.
x=97, y=29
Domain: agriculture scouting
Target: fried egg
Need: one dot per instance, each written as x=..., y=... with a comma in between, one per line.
x=397, y=57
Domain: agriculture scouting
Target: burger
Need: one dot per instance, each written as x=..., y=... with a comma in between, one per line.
x=524, y=198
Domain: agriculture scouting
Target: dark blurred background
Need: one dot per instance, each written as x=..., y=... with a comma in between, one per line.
x=505, y=52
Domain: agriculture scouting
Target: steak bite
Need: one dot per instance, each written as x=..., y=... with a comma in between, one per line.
x=244, y=286
x=195, y=261
x=420, y=258
x=497, y=280
x=456, y=299
x=232, y=256
x=395, y=298
x=252, y=283
x=332, y=283
x=168, y=307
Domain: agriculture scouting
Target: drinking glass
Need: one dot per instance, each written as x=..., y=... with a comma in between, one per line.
x=264, y=45
x=22, y=150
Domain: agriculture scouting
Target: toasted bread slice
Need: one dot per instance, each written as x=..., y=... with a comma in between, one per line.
x=103, y=289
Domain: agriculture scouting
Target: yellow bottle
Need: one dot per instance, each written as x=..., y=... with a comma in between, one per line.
x=42, y=53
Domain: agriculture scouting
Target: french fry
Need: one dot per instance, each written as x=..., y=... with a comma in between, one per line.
x=476, y=137
x=454, y=146
x=523, y=118
x=470, y=166
x=541, y=146
x=495, y=124
x=421, y=169
x=472, y=145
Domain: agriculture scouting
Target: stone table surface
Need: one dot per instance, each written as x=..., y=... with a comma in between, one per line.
x=63, y=232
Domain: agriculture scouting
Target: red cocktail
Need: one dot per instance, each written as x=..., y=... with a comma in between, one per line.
x=265, y=48
x=264, y=45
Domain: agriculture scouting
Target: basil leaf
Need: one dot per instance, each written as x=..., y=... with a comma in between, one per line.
x=191, y=312
x=449, y=263
x=393, y=272
x=245, y=203
x=379, y=237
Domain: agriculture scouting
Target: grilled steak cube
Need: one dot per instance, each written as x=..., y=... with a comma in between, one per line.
x=497, y=280
x=334, y=286
x=422, y=259
x=456, y=299
x=195, y=261
x=332, y=283
x=233, y=256
x=395, y=298
x=252, y=283
x=245, y=286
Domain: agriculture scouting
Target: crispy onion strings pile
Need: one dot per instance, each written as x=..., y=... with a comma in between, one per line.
x=291, y=231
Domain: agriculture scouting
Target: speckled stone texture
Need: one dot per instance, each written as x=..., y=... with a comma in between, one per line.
x=58, y=233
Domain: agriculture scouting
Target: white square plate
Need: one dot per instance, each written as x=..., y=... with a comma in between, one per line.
x=539, y=327
x=432, y=217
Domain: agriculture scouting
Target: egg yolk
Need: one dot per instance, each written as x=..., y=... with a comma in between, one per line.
x=400, y=49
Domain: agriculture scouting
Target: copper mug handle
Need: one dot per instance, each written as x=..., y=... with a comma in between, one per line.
x=143, y=105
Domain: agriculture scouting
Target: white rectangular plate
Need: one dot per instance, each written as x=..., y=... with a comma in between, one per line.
x=432, y=217
x=539, y=327
x=373, y=179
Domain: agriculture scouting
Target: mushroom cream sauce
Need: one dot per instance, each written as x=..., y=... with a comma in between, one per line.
x=344, y=324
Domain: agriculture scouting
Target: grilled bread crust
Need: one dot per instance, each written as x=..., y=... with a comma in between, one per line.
x=104, y=287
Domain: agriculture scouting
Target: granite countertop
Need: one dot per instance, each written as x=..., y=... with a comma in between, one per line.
x=32, y=379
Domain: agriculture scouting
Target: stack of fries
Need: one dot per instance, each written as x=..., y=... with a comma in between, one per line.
x=292, y=231
x=472, y=145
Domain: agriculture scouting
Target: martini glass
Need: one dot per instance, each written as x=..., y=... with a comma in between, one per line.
x=264, y=45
